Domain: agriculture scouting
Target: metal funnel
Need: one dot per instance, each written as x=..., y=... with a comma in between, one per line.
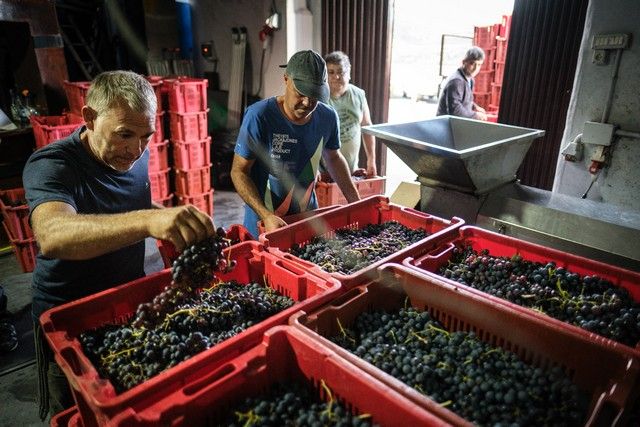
x=467, y=155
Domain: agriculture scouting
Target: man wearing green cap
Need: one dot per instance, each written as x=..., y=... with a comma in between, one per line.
x=280, y=143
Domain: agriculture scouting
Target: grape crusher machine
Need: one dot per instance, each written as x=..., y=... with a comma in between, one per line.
x=466, y=168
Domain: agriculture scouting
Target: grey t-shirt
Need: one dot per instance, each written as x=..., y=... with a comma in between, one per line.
x=350, y=108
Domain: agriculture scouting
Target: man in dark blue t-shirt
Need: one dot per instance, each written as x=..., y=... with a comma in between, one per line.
x=280, y=144
x=90, y=210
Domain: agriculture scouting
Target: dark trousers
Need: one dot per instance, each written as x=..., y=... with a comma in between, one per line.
x=54, y=393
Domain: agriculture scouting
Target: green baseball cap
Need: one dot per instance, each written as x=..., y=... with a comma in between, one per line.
x=308, y=71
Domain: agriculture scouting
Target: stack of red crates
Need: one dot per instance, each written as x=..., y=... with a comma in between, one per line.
x=15, y=215
x=488, y=83
x=191, y=144
x=159, y=152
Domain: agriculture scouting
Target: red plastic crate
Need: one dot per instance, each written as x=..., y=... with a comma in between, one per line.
x=167, y=202
x=285, y=355
x=187, y=95
x=188, y=126
x=76, y=93
x=290, y=219
x=96, y=398
x=489, y=58
x=499, y=73
x=505, y=26
x=158, y=135
x=25, y=250
x=482, y=82
x=496, y=91
x=373, y=210
x=159, y=156
x=501, y=49
x=16, y=214
x=168, y=253
x=482, y=99
x=190, y=155
x=159, y=182
x=203, y=201
x=67, y=418
x=484, y=37
x=429, y=262
x=612, y=390
x=193, y=181
x=47, y=129
x=492, y=117
x=329, y=194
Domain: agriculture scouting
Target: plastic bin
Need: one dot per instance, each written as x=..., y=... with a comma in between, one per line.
x=429, y=262
x=167, y=202
x=158, y=157
x=484, y=37
x=482, y=99
x=188, y=126
x=76, y=93
x=15, y=212
x=203, y=201
x=329, y=194
x=374, y=210
x=67, y=418
x=290, y=219
x=505, y=26
x=47, y=129
x=482, y=82
x=158, y=135
x=187, y=95
x=236, y=233
x=193, y=181
x=285, y=355
x=499, y=73
x=537, y=343
x=496, y=91
x=159, y=182
x=501, y=49
x=191, y=155
x=25, y=250
x=96, y=398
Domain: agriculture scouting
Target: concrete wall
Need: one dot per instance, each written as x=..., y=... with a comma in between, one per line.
x=619, y=182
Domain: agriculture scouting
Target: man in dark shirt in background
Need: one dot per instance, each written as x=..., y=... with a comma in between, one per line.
x=456, y=98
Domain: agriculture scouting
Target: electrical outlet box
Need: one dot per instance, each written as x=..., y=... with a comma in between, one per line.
x=598, y=133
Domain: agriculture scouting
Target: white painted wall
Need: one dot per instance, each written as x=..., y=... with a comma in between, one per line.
x=213, y=20
x=619, y=183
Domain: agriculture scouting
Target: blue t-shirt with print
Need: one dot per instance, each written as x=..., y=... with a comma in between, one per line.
x=64, y=171
x=287, y=156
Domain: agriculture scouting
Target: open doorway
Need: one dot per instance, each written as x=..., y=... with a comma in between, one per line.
x=422, y=58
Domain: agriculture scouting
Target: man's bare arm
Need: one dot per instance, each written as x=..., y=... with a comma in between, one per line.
x=246, y=188
x=63, y=233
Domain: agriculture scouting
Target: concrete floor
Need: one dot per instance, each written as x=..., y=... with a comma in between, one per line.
x=18, y=385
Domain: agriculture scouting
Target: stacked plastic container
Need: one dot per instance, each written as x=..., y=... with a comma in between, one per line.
x=488, y=83
x=15, y=215
x=190, y=141
x=159, y=169
x=329, y=194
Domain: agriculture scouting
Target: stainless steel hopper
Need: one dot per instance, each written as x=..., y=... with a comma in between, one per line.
x=466, y=155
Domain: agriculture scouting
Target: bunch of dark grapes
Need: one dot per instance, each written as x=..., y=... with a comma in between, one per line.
x=186, y=324
x=483, y=384
x=354, y=249
x=294, y=404
x=195, y=265
x=589, y=302
x=187, y=317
